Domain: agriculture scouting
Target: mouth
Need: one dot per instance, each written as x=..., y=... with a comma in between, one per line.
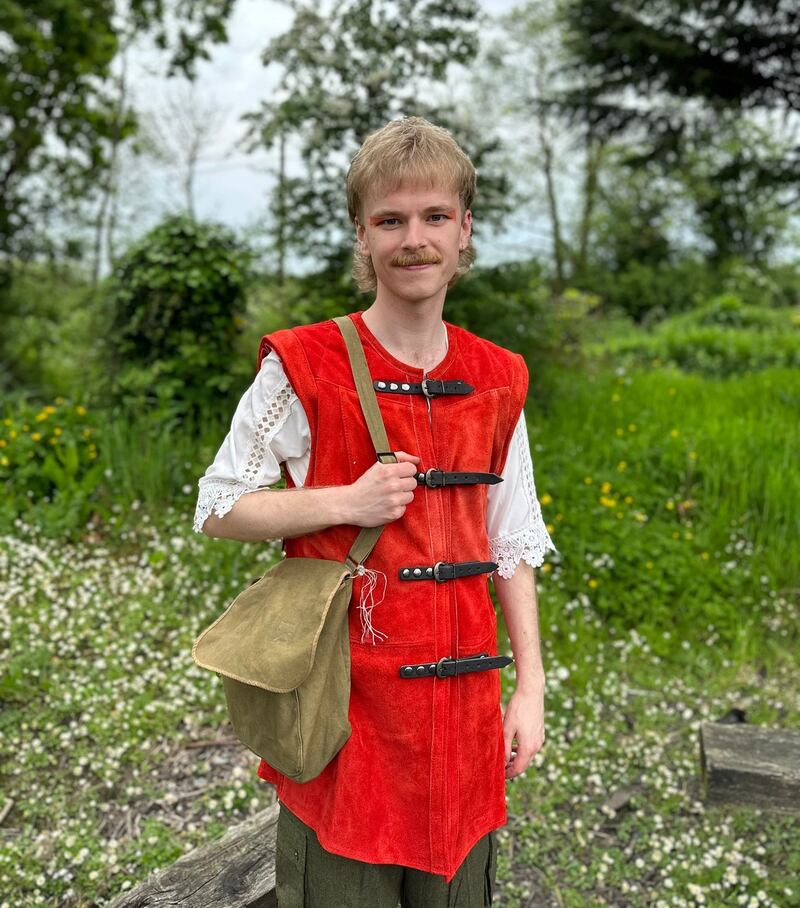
x=417, y=267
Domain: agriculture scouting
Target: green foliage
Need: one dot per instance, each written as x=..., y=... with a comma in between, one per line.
x=49, y=464
x=723, y=337
x=56, y=97
x=176, y=307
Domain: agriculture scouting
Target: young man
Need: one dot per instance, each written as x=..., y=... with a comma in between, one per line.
x=408, y=807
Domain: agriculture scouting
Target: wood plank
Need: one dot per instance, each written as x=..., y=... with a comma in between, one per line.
x=751, y=766
x=235, y=871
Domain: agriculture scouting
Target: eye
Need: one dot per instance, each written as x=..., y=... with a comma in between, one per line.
x=440, y=216
x=386, y=221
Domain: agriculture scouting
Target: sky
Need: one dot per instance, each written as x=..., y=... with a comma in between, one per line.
x=231, y=185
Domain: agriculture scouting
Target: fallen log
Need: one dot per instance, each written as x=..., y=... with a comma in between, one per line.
x=235, y=871
x=751, y=766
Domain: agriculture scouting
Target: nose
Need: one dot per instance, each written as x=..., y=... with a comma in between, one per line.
x=413, y=238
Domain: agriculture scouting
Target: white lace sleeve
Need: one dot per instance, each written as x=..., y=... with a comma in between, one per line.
x=268, y=427
x=513, y=515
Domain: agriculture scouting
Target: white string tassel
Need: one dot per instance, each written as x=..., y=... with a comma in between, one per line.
x=368, y=603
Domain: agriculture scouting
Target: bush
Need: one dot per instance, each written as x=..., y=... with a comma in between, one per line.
x=176, y=306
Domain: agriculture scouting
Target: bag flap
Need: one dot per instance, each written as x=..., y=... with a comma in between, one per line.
x=268, y=635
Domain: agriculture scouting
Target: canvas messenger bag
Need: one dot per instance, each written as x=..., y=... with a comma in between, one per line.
x=282, y=647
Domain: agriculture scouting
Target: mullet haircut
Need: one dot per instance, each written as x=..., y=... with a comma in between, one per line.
x=415, y=152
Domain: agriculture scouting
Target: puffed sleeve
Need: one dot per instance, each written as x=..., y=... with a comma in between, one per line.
x=513, y=515
x=269, y=427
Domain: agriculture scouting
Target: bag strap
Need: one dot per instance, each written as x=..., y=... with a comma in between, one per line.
x=366, y=539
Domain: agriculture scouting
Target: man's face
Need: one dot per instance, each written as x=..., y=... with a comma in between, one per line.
x=413, y=227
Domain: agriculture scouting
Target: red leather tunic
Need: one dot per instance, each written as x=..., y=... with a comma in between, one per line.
x=422, y=777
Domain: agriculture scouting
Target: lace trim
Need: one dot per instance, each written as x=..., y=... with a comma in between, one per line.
x=219, y=496
x=529, y=544
x=532, y=542
x=277, y=410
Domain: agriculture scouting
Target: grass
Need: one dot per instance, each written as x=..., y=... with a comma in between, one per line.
x=673, y=503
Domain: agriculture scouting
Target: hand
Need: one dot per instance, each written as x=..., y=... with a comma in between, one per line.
x=382, y=492
x=523, y=720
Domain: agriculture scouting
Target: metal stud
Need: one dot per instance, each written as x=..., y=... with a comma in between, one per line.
x=393, y=386
x=405, y=386
x=406, y=572
x=381, y=384
x=417, y=572
x=429, y=571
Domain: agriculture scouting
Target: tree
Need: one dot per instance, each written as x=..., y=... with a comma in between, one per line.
x=57, y=116
x=346, y=74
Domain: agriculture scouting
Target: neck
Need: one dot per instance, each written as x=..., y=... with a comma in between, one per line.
x=414, y=334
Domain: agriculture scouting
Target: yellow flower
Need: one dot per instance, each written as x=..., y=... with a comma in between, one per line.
x=6, y=422
x=607, y=502
x=671, y=391
x=632, y=427
x=593, y=583
x=60, y=400
x=628, y=499
x=620, y=431
x=50, y=409
x=670, y=505
x=615, y=397
x=587, y=480
x=676, y=535
x=25, y=427
x=622, y=466
x=86, y=433
x=605, y=487
x=549, y=527
x=559, y=516
x=4, y=461
x=53, y=441
x=3, y=443
x=36, y=436
x=705, y=556
x=688, y=535
x=545, y=499
x=673, y=433
x=640, y=517
x=546, y=567
x=693, y=455
x=12, y=433
x=41, y=416
x=649, y=565
x=80, y=410
x=58, y=430
x=620, y=515
x=92, y=455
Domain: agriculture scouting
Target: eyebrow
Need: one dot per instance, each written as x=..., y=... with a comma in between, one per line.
x=385, y=212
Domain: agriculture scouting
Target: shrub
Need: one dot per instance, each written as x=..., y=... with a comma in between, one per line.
x=175, y=307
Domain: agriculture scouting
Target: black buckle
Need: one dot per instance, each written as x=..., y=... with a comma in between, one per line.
x=442, y=670
x=424, y=386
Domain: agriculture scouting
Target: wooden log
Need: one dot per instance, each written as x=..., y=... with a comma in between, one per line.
x=235, y=871
x=751, y=766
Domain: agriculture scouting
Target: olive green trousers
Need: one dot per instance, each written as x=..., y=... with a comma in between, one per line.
x=308, y=876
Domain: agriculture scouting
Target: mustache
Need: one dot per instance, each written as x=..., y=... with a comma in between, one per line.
x=404, y=260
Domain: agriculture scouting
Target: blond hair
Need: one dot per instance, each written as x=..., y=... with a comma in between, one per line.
x=410, y=151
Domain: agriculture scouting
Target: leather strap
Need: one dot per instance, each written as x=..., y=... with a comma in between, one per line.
x=446, y=570
x=447, y=667
x=435, y=479
x=430, y=387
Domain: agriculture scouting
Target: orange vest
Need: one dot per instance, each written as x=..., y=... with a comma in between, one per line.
x=422, y=777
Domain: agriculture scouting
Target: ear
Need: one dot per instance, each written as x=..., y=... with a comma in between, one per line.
x=361, y=238
x=466, y=230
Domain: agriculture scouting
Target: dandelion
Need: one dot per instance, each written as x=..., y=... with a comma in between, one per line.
x=36, y=436
x=587, y=480
x=632, y=427
x=545, y=499
x=622, y=466
x=628, y=499
x=674, y=433
x=593, y=583
x=620, y=430
x=80, y=410
x=605, y=487
x=615, y=397
x=670, y=505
